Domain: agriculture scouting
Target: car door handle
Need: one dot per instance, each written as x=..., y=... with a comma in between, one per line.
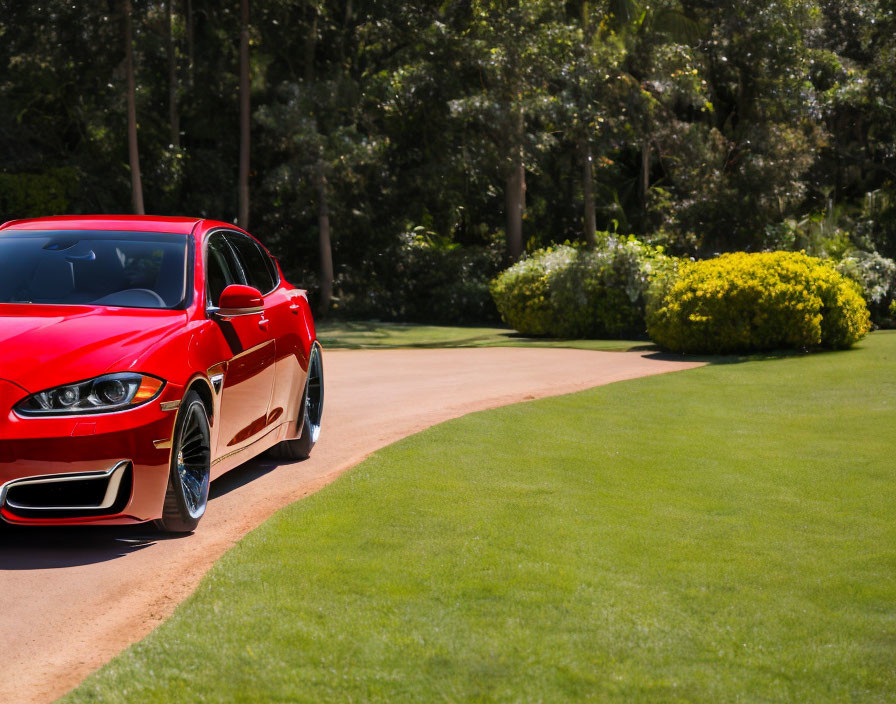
x=295, y=308
x=263, y=323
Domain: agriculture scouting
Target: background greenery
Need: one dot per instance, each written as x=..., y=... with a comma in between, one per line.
x=720, y=534
x=704, y=127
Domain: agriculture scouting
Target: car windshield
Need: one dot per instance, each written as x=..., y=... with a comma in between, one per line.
x=81, y=267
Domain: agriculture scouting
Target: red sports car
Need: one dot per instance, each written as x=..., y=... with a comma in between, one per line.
x=140, y=358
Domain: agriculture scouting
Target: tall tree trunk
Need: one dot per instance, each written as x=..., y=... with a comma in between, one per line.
x=133, y=153
x=588, y=194
x=515, y=195
x=589, y=218
x=243, y=218
x=190, y=47
x=347, y=18
x=311, y=46
x=644, y=181
x=325, y=242
x=515, y=199
x=326, y=249
x=173, y=117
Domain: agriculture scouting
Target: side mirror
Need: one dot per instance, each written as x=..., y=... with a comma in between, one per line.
x=239, y=300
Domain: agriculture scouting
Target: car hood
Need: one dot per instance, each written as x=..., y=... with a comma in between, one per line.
x=42, y=346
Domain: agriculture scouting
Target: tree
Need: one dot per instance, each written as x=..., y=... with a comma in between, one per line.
x=133, y=152
x=474, y=126
x=191, y=52
x=315, y=125
x=243, y=186
x=588, y=68
x=506, y=44
x=173, y=116
x=324, y=238
x=756, y=133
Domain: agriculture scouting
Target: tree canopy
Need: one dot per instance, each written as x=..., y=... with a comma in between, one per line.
x=484, y=125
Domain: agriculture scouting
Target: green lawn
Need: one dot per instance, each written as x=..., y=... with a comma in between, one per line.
x=721, y=534
x=376, y=335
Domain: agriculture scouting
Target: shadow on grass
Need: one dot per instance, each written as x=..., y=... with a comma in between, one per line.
x=767, y=356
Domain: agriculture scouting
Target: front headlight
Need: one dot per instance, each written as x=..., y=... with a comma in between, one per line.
x=110, y=392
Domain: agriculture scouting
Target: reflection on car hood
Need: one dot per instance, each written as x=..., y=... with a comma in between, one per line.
x=42, y=346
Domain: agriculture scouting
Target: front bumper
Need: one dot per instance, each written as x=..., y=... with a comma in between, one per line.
x=58, y=471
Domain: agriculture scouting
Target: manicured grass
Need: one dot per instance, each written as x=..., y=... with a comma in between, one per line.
x=375, y=335
x=721, y=534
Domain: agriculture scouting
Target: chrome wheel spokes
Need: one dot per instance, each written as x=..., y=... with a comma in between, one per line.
x=193, y=457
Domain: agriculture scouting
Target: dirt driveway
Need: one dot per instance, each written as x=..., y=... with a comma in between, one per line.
x=72, y=599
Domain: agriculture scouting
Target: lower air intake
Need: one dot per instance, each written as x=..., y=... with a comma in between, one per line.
x=70, y=495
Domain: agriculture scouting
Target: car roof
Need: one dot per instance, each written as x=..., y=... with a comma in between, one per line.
x=122, y=223
x=175, y=225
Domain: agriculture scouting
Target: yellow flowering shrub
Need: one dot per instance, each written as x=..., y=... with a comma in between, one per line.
x=742, y=302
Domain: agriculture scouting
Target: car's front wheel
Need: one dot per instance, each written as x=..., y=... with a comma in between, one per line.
x=312, y=410
x=190, y=475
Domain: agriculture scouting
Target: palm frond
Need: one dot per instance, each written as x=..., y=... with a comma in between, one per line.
x=677, y=26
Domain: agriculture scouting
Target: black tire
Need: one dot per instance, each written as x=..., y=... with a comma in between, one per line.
x=312, y=406
x=190, y=471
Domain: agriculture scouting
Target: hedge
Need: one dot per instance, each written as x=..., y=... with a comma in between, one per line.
x=745, y=302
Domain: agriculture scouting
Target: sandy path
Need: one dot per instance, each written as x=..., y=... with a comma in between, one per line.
x=72, y=599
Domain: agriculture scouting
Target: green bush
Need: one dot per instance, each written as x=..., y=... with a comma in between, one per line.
x=744, y=302
x=568, y=291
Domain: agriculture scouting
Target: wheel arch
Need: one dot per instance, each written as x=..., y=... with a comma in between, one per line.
x=202, y=386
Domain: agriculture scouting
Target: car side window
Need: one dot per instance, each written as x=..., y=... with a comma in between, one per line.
x=254, y=263
x=221, y=268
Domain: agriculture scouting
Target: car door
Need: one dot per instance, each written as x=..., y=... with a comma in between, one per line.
x=263, y=274
x=287, y=325
x=249, y=372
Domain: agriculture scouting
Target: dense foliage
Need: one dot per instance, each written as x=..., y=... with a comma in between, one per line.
x=745, y=302
x=428, y=282
x=877, y=277
x=703, y=127
x=567, y=291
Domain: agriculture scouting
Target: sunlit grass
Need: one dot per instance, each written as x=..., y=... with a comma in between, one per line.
x=721, y=534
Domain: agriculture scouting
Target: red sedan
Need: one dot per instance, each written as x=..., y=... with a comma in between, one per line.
x=141, y=358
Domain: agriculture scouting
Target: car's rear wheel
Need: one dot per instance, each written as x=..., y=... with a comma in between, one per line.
x=312, y=406
x=190, y=475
